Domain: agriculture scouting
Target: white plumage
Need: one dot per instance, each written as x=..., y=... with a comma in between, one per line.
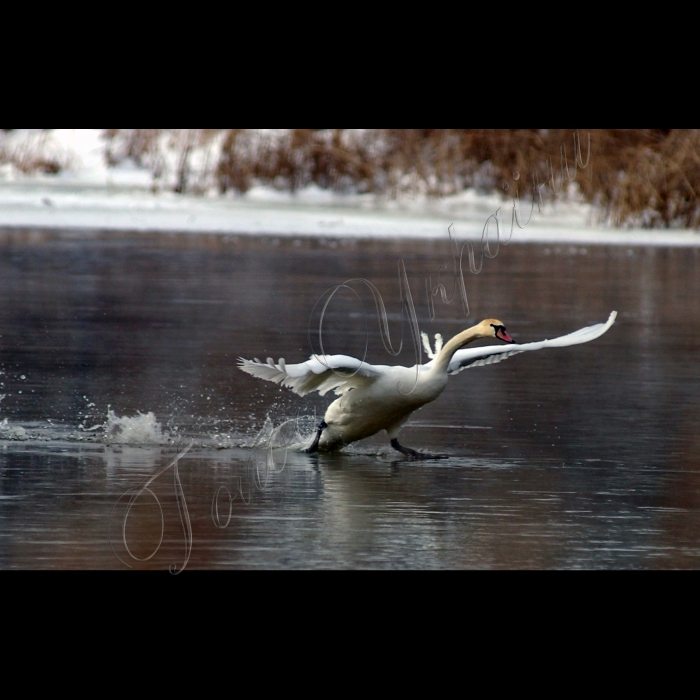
x=476, y=357
x=382, y=397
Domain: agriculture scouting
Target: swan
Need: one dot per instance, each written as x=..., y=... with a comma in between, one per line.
x=382, y=397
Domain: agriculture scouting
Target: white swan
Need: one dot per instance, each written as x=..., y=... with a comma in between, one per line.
x=382, y=397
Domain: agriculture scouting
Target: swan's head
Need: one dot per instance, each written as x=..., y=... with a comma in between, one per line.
x=493, y=328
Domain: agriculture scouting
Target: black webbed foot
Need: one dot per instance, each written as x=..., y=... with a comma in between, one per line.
x=412, y=454
x=314, y=445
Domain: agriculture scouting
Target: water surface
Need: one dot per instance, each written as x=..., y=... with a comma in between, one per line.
x=119, y=351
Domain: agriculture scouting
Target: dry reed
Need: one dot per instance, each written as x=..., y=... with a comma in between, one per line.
x=34, y=153
x=639, y=177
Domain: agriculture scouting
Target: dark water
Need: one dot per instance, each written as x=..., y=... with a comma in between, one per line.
x=580, y=457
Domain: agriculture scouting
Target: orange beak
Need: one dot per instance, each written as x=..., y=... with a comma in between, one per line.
x=504, y=336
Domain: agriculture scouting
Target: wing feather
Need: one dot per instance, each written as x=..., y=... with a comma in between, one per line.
x=319, y=373
x=324, y=373
x=491, y=354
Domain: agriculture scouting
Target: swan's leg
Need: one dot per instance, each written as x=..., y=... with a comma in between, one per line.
x=314, y=445
x=406, y=450
x=412, y=453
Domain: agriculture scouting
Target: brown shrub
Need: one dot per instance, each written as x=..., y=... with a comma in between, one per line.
x=33, y=154
x=167, y=153
x=654, y=183
x=645, y=177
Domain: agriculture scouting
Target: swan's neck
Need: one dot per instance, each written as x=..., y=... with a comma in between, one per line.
x=443, y=358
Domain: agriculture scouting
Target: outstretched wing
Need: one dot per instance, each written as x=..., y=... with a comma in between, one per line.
x=491, y=354
x=319, y=373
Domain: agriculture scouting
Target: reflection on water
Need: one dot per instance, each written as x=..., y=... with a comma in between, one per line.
x=119, y=352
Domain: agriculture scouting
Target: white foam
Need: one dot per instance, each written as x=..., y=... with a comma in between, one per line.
x=141, y=429
x=12, y=432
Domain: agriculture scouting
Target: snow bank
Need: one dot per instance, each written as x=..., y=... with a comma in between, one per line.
x=90, y=196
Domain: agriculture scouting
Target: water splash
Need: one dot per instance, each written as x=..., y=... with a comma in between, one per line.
x=12, y=432
x=292, y=433
x=141, y=429
x=144, y=429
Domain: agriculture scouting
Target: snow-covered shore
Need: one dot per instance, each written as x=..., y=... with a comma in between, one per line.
x=89, y=196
